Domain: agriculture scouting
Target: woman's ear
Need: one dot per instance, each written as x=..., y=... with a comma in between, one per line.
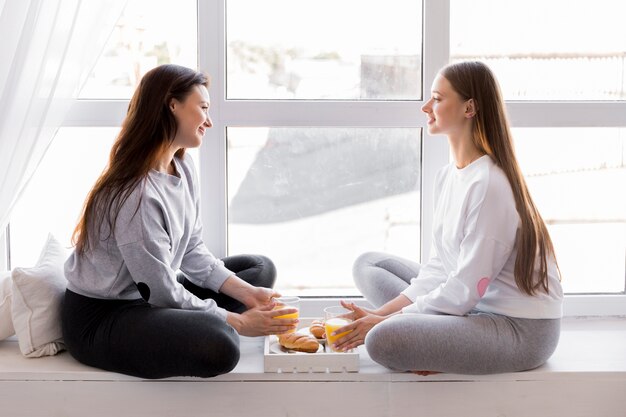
x=173, y=105
x=470, y=108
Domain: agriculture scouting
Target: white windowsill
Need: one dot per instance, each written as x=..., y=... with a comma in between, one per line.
x=586, y=376
x=588, y=347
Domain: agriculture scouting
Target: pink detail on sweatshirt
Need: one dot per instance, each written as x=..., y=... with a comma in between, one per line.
x=482, y=286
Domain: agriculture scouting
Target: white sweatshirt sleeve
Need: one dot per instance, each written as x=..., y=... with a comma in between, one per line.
x=487, y=238
x=431, y=275
x=481, y=259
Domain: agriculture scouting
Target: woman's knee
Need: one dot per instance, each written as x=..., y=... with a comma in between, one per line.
x=367, y=259
x=257, y=270
x=542, y=342
x=379, y=344
x=364, y=261
x=268, y=272
x=262, y=271
x=223, y=354
x=230, y=358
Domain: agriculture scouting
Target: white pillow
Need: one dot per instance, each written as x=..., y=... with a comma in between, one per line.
x=6, y=322
x=38, y=293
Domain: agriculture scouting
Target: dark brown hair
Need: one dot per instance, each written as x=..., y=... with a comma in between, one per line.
x=147, y=132
x=491, y=134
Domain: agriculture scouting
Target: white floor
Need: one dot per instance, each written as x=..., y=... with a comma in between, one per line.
x=585, y=377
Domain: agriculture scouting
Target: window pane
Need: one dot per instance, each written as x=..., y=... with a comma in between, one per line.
x=324, y=49
x=149, y=33
x=314, y=199
x=545, y=50
x=55, y=195
x=577, y=177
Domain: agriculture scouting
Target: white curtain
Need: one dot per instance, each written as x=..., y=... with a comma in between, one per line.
x=47, y=50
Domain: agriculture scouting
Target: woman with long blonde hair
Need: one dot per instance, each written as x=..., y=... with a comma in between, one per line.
x=489, y=299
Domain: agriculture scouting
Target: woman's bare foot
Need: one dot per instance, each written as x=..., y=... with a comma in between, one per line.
x=425, y=373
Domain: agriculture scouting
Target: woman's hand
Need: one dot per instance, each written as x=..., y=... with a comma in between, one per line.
x=247, y=294
x=364, y=320
x=259, y=297
x=260, y=321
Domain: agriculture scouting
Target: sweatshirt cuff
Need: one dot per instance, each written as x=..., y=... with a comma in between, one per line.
x=221, y=313
x=219, y=274
x=412, y=292
x=415, y=307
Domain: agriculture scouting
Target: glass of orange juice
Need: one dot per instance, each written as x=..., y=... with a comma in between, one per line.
x=335, y=318
x=288, y=302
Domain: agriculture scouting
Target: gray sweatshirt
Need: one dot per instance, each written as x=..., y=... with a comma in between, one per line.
x=153, y=239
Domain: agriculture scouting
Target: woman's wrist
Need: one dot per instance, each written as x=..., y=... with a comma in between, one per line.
x=237, y=288
x=393, y=307
x=235, y=320
x=378, y=312
x=383, y=311
x=383, y=317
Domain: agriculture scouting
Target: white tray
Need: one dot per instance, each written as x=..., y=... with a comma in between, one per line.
x=274, y=360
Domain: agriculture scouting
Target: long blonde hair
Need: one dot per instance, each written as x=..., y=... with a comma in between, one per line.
x=491, y=134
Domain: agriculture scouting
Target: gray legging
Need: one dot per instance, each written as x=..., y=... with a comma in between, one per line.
x=477, y=343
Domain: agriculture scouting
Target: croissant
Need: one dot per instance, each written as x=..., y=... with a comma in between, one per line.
x=317, y=329
x=299, y=342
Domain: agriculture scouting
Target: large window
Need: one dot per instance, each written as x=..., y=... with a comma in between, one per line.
x=311, y=185
x=319, y=150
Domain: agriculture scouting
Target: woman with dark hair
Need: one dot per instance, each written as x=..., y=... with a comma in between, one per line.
x=145, y=297
x=489, y=299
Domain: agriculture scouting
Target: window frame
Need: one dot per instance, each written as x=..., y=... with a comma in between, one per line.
x=315, y=113
x=346, y=113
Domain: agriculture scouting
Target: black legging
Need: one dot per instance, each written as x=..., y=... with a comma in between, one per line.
x=136, y=338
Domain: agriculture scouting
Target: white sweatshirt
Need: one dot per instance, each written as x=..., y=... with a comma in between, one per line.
x=151, y=243
x=473, y=254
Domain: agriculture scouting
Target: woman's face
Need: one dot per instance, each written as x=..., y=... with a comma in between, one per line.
x=192, y=117
x=446, y=110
